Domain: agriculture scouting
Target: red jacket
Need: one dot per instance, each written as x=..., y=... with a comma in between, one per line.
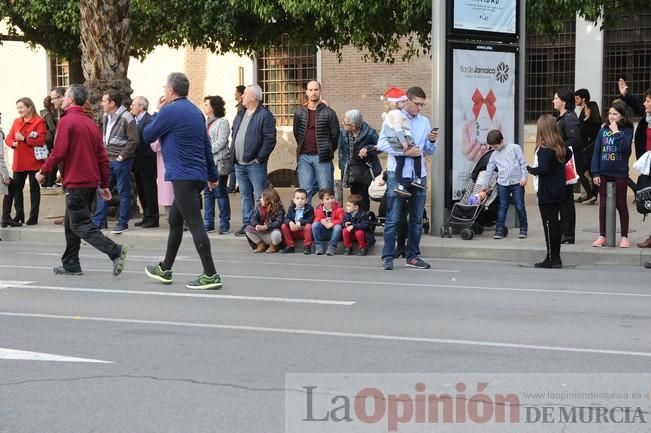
x=79, y=148
x=337, y=216
x=24, y=159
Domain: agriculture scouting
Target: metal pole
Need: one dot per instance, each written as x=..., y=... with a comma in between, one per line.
x=437, y=181
x=611, y=219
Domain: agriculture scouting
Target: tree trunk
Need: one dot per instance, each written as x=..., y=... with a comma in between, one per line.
x=105, y=41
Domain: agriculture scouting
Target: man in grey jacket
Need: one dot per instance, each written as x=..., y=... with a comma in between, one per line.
x=120, y=134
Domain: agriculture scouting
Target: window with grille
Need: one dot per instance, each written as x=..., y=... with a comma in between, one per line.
x=59, y=73
x=627, y=55
x=283, y=73
x=549, y=67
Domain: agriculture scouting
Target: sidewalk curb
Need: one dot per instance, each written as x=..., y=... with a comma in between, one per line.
x=431, y=246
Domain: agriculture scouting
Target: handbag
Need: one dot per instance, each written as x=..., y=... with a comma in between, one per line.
x=377, y=188
x=643, y=195
x=571, y=176
x=41, y=152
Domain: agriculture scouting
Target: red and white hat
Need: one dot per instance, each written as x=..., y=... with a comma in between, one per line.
x=394, y=94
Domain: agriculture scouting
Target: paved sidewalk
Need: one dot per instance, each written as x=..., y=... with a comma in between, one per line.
x=525, y=251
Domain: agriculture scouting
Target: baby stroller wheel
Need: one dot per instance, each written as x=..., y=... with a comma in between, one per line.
x=448, y=231
x=442, y=232
x=478, y=228
x=467, y=234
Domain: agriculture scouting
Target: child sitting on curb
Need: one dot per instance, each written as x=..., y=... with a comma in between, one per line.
x=263, y=231
x=328, y=217
x=298, y=223
x=356, y=227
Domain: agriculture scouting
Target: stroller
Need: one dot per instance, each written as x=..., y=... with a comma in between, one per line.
x=379, y=219
x=474, y=212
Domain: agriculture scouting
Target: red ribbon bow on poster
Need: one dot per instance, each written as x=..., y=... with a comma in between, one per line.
x=479, y=100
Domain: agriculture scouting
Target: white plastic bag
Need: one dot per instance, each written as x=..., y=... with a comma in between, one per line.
x=643, y=165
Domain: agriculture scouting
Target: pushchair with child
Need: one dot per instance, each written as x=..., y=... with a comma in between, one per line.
x=477, y=207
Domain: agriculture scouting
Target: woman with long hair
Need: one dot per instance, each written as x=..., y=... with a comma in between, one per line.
x=552, y=154
x=610, y=164
x=590, y=126
x=27, y=132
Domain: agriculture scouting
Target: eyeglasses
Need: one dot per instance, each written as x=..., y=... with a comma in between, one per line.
x=419, y=104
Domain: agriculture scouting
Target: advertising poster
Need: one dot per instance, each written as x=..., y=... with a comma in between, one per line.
x=485, y=15
x=483, y=98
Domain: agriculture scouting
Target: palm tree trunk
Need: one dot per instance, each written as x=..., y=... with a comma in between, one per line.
x=105, y=41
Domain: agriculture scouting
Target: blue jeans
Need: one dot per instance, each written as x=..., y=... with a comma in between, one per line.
x=119, y=174
x=504, y=193
x=252, y=180
x=394, y=209
x=311, y=172
x=219, y=194
x=321, y=233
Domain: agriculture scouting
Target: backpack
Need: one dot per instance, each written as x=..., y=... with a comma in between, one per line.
x=643, y=194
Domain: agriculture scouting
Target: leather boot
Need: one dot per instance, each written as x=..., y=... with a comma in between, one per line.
x=261, y=247
x=645, y=244
x=272, y=249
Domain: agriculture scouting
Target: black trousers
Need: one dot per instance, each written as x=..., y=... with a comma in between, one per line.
x=551, y=226
x=186, y=207
x=144, y=170
x=568, y=213
x=78, y=225
x=361, y=189
x=16, y=196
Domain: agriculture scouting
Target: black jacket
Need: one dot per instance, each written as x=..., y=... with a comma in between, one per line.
x=360, y=221
x=551, y=176
x=327, y=131
x=570, y=129
x=640, y=132
x=357, y=169
x=143, y=150
x=260, y=139
x=308, y=214
x=273, y=222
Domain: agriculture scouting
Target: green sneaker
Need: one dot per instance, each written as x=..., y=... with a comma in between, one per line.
x=204, y=282
x=157, y=273
x=118, y=262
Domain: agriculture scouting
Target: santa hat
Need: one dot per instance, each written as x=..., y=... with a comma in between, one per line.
x=394, y=94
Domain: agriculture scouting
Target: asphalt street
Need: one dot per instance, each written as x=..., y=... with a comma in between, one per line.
x=175, y=360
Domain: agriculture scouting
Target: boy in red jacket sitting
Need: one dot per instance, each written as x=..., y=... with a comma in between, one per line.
x=328, y=218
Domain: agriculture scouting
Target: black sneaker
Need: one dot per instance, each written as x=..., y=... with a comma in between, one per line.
x=60, y=270
x=157, y=273
x=417, y=262
x=307, y=250
x=348, y=251
x=119, y=228
x=418, y=183
x=241, y=232
x=205, y=282
x=401, y=191
x=387, y=263
x=209, y=229
x=287, y=250
x=363, y=252
x=118, y=262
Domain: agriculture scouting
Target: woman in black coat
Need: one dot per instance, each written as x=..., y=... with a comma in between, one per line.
x=361, y=163
x=552, y=154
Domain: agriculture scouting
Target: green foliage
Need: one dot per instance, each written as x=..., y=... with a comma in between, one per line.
x=382, y=29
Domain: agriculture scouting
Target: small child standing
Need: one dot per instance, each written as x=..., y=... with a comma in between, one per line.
x=357, y=226
x=397, y=128
x=328, y=217
x=263, y=230
x=511, y=179
x=298, y=223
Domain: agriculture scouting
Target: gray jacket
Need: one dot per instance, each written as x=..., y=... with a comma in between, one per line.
x=123, y=137
x=218, y=132
x=4, y=189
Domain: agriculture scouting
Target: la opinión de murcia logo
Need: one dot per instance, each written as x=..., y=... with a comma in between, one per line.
x=502, y=73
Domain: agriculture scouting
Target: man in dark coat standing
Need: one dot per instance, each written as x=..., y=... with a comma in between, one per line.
x=144, y=167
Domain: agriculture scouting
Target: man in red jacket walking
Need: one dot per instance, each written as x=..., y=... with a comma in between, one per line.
x=78, y=147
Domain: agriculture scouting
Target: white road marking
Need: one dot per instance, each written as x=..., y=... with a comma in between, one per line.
x=187, y=295
x=150, y=259
x=379, y=337
x=24, y=355
x=382, y=283
x=7, y=283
